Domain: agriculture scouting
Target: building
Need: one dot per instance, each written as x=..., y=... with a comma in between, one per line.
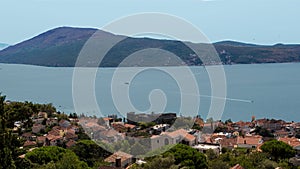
x=175, y=137
x=37, y=128
x=161, y=118
x=119, y=159
x=204, y=147
x=249, y=141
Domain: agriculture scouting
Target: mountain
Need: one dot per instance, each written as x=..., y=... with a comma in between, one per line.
x=60, y=47
x=3, y=45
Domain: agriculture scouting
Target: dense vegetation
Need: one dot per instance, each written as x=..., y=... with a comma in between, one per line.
x=61, y=46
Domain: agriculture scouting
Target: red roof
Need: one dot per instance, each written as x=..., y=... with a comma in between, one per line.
x=29, y=143
x=251, y=140
x=290, y=141
x=237, y=167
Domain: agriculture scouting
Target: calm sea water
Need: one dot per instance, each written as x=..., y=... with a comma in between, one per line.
x=273, y=88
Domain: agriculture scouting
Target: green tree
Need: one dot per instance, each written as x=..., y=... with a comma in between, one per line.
x=188, y=157
x=6, y=138
x=218, y=164
x=45, y=155
x=278, y=150
x=161, y=162
x=211, y=154
x=89, y=152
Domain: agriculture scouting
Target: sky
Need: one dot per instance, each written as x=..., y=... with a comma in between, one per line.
x=251, y=21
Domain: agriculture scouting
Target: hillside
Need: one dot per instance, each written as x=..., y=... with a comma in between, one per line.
x=60, y=47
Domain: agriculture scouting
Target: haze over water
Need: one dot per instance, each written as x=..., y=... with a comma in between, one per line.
x=273, y=88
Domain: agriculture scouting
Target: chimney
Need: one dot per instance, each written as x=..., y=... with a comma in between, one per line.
x=118, y=162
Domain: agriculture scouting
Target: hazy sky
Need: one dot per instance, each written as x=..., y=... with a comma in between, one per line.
x=255, y=21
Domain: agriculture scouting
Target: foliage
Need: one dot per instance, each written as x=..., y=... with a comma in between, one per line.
x=211, y=154
x=186, y=156
x=6, y=137
x=278, y=150
x=160, y=162
x=54, y=157
x=263, y=132
x=45, y=155
x=145, y=125
x=89, y=151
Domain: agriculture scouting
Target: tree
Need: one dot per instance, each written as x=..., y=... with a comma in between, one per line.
x=263, y=132
x=211, y=154
x=218, y=164
x=45, y=155
x=90, y=152
x=187, y=156
x=161, y=162
x=54, y=157
x=6, y=138
x=228, y=121
x=278, y=150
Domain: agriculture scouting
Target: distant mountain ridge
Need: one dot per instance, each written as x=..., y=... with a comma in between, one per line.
x=60, y=47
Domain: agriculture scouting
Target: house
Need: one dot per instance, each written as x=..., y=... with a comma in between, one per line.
x=52, y=140
x=56, y=132
x=229, y=143
x=29, y=136
x=270, y=124
x=71, y=136
x=281, y=133
x=42, y=115
x=41, y=140
x=70, y=143
x=52, y=121
x=119, y=159
x=29, y=143
x=64, y=123
x=36, y=128
x=38, y=121
x=204, y=147
x=249, y=141
x=177, y=136
x=110, y=135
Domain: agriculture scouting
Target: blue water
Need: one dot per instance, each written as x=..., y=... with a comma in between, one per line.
x=273, y=88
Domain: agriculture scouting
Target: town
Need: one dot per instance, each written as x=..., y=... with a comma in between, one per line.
x=132, y=141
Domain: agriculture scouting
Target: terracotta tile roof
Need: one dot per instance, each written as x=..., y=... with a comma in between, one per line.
x=29, y=143
x=177, y=133
x=41, y=138
x=27, y=134
x=113, y=157
x=237, y=167
x=71, y=135
x=70, y=143
x=109, y=133
x=52, y=137
x=228, y=142
x=294, y=142
x=251, y=140
x=190, y=137
x=130, y=126
x=107, y=119
x=54, y=132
